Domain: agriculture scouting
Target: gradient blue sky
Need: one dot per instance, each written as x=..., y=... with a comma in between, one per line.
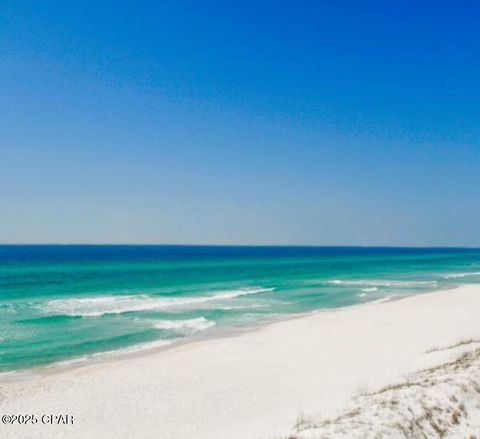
x=240, y=122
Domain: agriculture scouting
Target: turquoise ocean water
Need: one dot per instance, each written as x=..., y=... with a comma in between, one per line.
x=74, y=303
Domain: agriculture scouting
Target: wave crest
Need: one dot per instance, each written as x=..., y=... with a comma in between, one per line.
x=455, y=275
x=197, y=324
x=101, y=305
x=383, y=283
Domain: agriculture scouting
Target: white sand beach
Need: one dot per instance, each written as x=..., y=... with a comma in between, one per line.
x=319, y=375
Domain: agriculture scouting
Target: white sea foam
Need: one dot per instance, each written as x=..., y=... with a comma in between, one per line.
x=100, y=305
x=362, y=294
x=240, y=307
x=384, y=299
x=236, y=293
x=455, y=275
x=383, y=283
x=370, y=289
x=118, y=352
x=197, y=324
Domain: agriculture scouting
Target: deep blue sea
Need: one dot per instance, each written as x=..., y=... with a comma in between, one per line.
x=74, y=303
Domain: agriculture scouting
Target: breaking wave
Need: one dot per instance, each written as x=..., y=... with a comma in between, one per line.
x=117, y=352
x=455, y=275
x=197, y=324
x=101, y=305
x=383, y=283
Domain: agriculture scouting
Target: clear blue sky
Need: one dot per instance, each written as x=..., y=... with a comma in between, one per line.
x=340, y=122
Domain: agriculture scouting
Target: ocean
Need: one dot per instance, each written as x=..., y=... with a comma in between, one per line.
x=73, y=303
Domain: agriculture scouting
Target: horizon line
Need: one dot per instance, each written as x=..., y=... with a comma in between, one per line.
x=93, y=244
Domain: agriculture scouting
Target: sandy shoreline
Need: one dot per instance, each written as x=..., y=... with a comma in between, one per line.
x=255, y=384
x=136, y=351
